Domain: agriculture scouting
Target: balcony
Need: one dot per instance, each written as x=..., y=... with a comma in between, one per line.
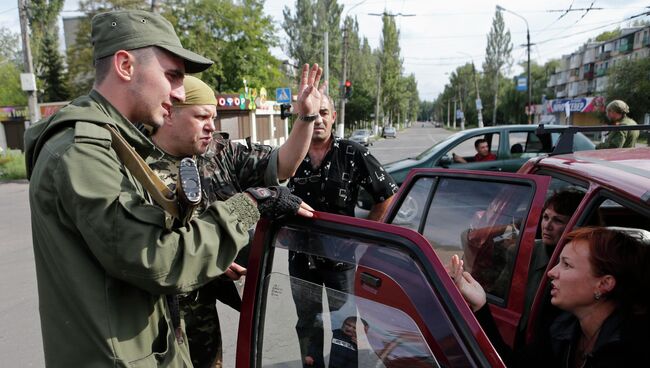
x=646, y=41
x=625, y=47
x=604, y=55
x=601, y=72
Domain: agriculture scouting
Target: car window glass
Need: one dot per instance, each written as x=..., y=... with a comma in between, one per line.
x=466, y=148
x=393, y=337
x=612, y=212
x=528, y=144
x=412, y=206
x=481, y=222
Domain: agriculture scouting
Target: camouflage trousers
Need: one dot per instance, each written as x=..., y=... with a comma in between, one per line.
x=203, y=331
x=199, y=314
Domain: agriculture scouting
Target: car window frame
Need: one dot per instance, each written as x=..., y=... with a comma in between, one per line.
x=474, y=340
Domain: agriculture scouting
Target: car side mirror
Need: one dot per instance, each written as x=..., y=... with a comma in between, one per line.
x=445, y=161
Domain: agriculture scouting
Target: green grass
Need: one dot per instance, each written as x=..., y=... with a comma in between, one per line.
x=12, y=166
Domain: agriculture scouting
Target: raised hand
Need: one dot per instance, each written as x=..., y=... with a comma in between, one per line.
x=309, y=92
x=469, y=288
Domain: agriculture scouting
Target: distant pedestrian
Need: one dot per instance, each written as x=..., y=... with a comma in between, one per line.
x=617, y=111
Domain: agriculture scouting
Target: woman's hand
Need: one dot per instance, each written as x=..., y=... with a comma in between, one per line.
x=469, y=288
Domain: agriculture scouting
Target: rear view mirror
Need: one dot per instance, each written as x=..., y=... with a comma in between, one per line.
x=445, y=161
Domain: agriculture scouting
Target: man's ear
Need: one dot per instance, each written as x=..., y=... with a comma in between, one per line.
x=123, y=65
x=334, y=116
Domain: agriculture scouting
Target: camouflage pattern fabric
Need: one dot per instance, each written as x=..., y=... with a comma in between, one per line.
x=225, y=169
x=228, y=168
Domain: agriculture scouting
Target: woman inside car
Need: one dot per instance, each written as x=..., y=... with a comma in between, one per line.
x=600, y=283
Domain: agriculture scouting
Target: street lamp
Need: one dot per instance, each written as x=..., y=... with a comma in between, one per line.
x=530, y=98
x=479, y=105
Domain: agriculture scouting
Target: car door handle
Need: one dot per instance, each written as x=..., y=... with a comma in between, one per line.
x=370, y=280
x=494, y=168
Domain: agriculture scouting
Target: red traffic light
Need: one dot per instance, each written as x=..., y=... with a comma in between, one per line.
x=348, y=83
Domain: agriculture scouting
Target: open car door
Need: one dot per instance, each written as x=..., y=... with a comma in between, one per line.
x=489, y=219
x=409, y=313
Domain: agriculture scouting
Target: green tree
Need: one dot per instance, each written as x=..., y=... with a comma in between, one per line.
x=237, y=36
x=306, y=28
x=429, y=109
x=79, y=56
x=608, y=35
x=363, y=75
x=48, y=63
x=513, y=101
x=411, y=98
x=497, y=56
x=11, y=93
x=52, y=74
x=391, y=70
x=628, y=81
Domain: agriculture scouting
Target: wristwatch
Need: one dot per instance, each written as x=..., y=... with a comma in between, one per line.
x=308, y=118
x=259, y=193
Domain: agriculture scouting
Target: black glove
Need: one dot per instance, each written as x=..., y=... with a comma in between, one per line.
x=275, y=202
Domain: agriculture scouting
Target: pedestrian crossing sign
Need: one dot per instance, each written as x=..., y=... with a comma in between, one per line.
x=283, y=95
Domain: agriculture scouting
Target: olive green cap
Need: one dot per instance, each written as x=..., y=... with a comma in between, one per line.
x=618, y=106
x=197, y=92
x=134, y=29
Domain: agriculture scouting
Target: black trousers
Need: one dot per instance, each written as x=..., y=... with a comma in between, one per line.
x=308, y=298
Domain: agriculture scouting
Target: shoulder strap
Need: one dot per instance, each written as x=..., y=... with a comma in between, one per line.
x=160, y=193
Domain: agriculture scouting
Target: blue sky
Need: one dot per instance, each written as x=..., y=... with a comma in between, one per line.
x=444, y=35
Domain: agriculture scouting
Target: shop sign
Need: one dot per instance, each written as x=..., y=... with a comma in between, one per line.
x=584, y=104
x=14, y=113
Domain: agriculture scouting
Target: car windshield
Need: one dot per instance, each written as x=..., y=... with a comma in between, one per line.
x=432, y=148
x=361, y=132
x=389, y=129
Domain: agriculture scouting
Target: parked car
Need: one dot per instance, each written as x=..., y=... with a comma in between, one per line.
x=513, y=145
x=389, y=131
x=362, y=136
x=415, y=315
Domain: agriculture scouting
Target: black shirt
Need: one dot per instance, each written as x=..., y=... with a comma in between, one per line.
x=334, y=185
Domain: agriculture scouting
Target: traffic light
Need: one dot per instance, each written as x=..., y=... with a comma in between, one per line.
x=348, y=89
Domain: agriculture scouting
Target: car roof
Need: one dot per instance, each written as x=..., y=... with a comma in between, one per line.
x=491, y=129
x=623, y=169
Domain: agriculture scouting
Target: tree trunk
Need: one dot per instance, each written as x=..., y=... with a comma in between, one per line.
x=496, y=96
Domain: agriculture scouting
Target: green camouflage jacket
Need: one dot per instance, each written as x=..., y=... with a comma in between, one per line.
x=103, y=252
x=227, y=168
x=621, y=139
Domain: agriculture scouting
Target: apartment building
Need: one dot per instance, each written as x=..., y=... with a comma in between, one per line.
x=580, y=80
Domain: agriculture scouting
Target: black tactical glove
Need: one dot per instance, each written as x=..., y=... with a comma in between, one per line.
x=275, y=202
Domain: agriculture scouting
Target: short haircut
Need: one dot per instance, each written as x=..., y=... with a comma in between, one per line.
x=103, y=65
x=354, y=320
x=565, y=202
x=617, y=253
x=479, y=141
x=331, y=101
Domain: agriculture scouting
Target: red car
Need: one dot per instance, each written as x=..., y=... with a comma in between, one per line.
x=415, y=315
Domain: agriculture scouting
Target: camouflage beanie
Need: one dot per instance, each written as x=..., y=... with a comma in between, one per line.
x=618, y=106
x=197, y=93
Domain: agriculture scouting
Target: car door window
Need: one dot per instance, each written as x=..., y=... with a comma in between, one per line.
x=528, y=144
x=608, y=210
x=466, y=148
x=393, y=300
x=479, y=218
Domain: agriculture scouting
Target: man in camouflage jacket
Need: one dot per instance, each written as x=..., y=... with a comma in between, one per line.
x=226, y=168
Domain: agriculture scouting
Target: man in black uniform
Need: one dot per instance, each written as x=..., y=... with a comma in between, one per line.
x=328, y=179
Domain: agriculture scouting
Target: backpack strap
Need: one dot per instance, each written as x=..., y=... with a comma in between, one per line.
x=159, y=192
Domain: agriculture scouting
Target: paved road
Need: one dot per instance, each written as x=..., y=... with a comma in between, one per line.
x=20, y=337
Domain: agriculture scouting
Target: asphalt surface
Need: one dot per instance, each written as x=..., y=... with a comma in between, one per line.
x=20, y=336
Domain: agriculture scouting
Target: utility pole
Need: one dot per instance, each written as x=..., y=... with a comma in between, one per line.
x=479, y=106
x=455, y=113
x=530, y=92
x=376, y=129
x=28, y=79
x=326, y=60
x=341, y=127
